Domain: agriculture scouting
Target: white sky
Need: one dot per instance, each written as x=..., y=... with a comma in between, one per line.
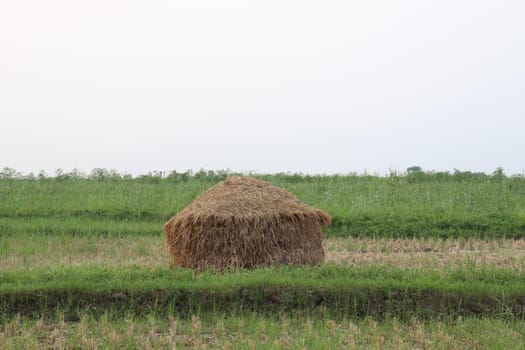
x=329, y=86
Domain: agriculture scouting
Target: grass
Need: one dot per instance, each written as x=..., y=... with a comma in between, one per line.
x=55, y=251
x=52, y=251
x=256, y=331
x=342, y=292
x=471, y=206
x=75, y=226
x=434, y=254
x=422, y=260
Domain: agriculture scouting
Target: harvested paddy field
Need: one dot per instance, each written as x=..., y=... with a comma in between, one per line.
x=257, y=332
x=418, y=261
x=427, y=254
x=52, y=252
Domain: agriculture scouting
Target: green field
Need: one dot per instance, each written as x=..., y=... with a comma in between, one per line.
x=410, y=259
x=465, y=205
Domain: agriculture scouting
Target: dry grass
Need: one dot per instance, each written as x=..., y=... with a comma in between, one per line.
x=434, y=253
x=251, y=332
x=150, y=251
x=52, y=252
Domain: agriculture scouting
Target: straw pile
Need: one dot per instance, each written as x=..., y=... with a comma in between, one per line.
x=245, y=222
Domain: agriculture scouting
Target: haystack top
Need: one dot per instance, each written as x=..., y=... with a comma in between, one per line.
x=240, y=197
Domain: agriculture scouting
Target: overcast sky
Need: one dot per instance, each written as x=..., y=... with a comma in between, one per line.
x=330, y=86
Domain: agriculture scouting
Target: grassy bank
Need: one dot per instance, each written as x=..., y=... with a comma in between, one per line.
x=342, y=292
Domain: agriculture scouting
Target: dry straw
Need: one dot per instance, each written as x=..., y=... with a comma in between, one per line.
x=245, y=222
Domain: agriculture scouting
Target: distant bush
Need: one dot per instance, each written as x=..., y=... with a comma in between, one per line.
x=9, y=173
x=413, y=174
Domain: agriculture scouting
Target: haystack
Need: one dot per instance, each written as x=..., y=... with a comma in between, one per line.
x=245, y=222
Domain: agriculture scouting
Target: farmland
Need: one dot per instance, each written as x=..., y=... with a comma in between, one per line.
x=412, y=260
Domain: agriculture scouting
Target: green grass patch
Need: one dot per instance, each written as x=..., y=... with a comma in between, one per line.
x=29, y=227
x=342, y=292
